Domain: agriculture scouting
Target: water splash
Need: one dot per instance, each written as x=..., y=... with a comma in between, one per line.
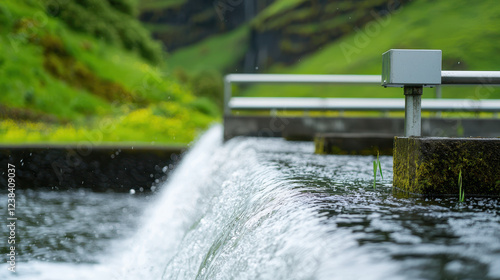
x=268, y=209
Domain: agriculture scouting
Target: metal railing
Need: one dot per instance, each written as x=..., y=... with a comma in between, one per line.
x=352, y=104
x=470, y=77
x=290, y=78
x=359, y=104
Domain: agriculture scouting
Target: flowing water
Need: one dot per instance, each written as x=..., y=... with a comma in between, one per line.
x=258, y=209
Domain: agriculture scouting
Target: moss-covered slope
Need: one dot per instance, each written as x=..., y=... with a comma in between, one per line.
x=64, y=77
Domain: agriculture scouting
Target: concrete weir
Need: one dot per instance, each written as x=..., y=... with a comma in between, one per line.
x=102, y=168
x=430, y=165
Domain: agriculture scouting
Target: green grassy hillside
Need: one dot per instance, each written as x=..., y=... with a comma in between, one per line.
x=467, y=33
x=88, y=71
x=219, y=52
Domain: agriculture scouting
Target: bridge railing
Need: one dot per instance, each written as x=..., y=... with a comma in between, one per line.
x=343, y=104
x=232, y=103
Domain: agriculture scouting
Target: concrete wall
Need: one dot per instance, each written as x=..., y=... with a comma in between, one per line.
x=431, y=165
x=305, y=128
x=99, y=168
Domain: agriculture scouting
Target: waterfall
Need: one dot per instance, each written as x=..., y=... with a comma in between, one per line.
x=228, y=214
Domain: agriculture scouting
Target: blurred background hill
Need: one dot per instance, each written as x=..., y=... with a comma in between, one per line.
x=323, y=37
x=87, y=70
x=151, y=70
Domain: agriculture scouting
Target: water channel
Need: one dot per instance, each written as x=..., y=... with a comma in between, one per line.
x=257, y=209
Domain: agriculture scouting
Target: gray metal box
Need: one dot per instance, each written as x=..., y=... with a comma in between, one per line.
x=411, y=67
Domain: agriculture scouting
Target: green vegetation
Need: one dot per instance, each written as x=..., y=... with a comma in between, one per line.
x=201, y=65
x=151, y=5
x=461, y=195
x=278, y=7
x=112, y=21
x=65, y=77
x=218, y=53
x=430, y=166
x=268, y=18
x=376, y=163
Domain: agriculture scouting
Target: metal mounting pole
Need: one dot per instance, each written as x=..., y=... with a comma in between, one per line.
x=413, y=101
x=439, y=95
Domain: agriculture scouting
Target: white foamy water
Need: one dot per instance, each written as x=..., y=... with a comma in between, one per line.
x=225, y=215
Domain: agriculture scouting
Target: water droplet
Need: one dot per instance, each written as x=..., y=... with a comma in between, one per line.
x=132, y=191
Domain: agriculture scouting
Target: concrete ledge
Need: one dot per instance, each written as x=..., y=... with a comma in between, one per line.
x=99, y=168
x=306, y=127
x=353, y=143
x=430, y=166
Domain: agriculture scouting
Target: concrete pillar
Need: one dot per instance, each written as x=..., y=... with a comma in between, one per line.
x=430, y=165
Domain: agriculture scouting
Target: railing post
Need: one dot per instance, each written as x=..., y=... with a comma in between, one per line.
x=227, y=95
x=413, y=102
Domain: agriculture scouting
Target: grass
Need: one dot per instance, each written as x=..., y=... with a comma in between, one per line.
x=152, y=5
x=162, y=123
x=376, y=163
x=278, y=7
x=461, y=194
x=215, y=53
x=60, y=85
